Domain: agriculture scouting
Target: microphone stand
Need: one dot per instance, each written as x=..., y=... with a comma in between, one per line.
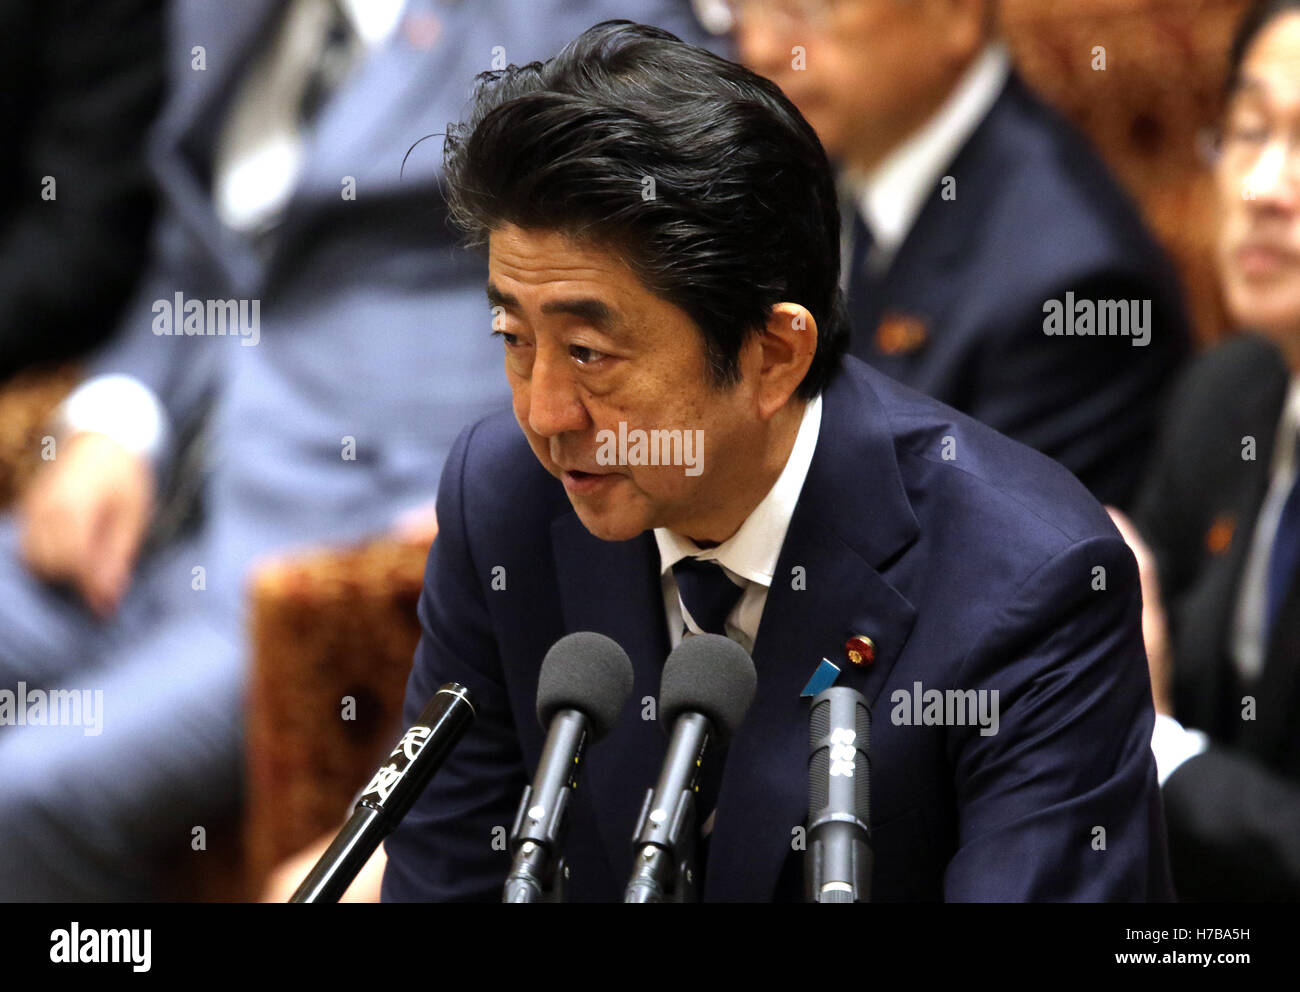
x=663, y=845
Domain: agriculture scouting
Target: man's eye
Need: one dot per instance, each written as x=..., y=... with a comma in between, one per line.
x=1248, y=134
x=511, y=340
x=585, y=356
x=1246, y=128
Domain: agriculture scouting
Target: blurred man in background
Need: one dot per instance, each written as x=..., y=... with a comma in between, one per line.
x=1221, y=515
x=296, y=356
x=978, y=217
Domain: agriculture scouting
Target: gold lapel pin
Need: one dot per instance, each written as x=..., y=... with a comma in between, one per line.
x=861, y=650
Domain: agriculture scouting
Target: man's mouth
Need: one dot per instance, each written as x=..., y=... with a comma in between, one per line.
x=1264, y=258
x=585, y=482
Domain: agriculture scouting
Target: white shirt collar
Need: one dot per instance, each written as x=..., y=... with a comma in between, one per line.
x=1289, y=432
x=1293, y=401
x=891, y=196
x=752, y=552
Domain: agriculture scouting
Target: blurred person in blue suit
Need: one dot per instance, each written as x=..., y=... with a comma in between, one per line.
x=975, y=216
x=294, y=364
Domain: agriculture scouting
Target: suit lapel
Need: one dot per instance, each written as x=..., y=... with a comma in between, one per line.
x=1211, y=671
x=919, y=282
x=1217, y=704
x=189, y=129
x=405, y=91
x=227, y=33
x=613, y=588
x=1271, y=730
x=842, y=531
x=924, y=279
x=1272, y=734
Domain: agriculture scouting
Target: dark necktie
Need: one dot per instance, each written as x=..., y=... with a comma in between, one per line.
x=708, y=595
x=864, y=289
x=334, y=59
x=1285, y=555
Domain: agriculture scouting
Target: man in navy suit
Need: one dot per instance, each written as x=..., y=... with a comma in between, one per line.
x=662, y=235
x=974, y=216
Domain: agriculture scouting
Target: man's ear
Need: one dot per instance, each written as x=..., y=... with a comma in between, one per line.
x=786, y=346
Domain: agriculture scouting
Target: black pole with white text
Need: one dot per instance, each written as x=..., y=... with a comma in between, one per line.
x=390, y=794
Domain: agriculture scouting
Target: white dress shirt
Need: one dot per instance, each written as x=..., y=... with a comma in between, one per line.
x=891, y=196
x=261, y=146
x=750, y=555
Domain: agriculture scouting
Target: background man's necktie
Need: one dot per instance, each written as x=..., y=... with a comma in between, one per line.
x=333, y=59
x=864, y=288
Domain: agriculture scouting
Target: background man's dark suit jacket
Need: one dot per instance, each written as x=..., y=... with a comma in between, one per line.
x=1036, y=215
x=974, y=572
x=1234, y=811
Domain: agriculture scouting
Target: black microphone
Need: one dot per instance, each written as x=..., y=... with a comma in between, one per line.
x=839, y=858
x=584, y=682
x=707, y=685
x=390, y=794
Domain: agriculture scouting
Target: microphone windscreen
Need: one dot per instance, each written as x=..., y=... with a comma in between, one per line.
x=586, y=672
x=708, y=674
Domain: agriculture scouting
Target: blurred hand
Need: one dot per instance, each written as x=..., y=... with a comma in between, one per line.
x=418, y=525
x=84, y=517
x=288, y=875
x=1155, y=627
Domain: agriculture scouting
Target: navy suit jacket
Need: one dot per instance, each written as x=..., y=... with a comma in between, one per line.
x=1234, y=810
x=968, y=558
x=1036, y=216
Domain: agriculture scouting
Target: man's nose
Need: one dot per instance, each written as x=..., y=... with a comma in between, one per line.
x=554, y=405
x=1271, y=182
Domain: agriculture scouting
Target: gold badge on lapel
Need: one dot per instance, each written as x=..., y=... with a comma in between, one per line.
x=901, y=334
x=861, y=650
x=1218, y=538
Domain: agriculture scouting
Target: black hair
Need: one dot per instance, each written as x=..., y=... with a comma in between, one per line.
x=743, y=213
x=1261, y=14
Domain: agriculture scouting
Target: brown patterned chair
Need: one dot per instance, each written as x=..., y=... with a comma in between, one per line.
x=326, y=627
x=26, y=403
